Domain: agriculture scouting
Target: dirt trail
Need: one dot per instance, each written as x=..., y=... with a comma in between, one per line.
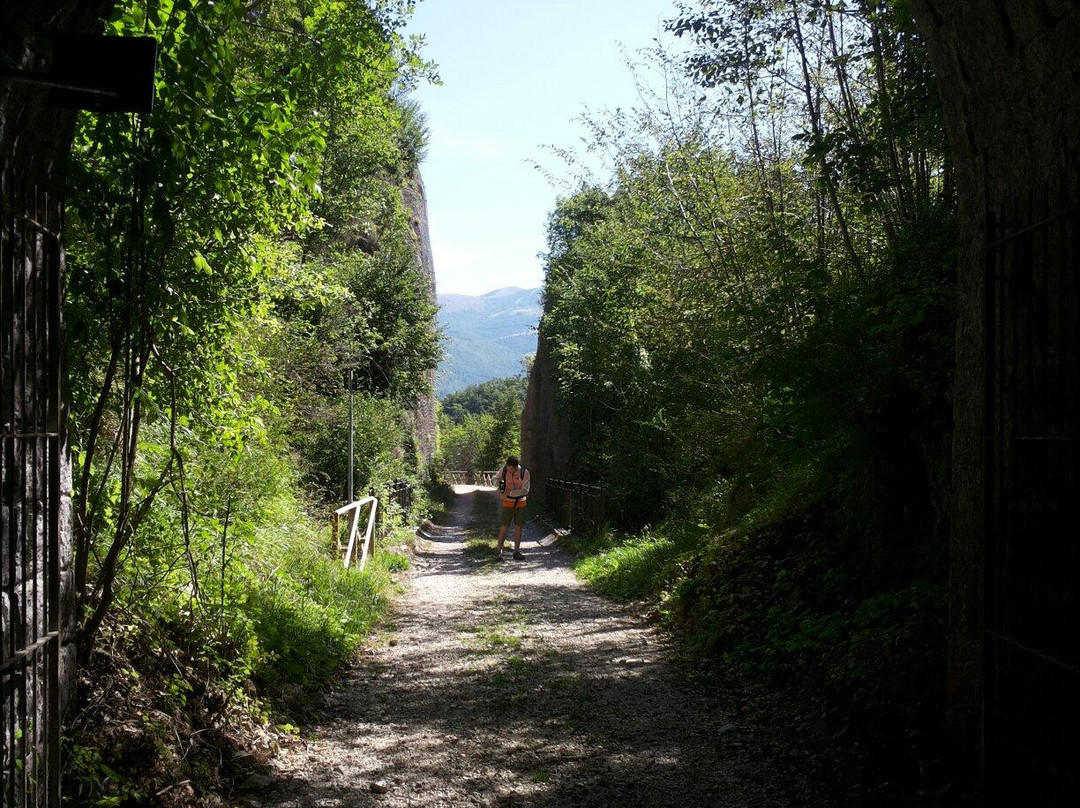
x=512, y=684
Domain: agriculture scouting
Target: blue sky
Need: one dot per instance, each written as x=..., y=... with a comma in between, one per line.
x=515, y=74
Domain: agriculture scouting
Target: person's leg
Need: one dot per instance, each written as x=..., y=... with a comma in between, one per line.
x=519, y=523
x=505, y=517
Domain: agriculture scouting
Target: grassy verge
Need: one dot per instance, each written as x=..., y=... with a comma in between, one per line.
x=635, y=566
x=191, y=688
x=309, y=614
x=787, y=602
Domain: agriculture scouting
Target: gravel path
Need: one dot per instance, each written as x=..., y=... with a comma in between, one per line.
x=511, y=684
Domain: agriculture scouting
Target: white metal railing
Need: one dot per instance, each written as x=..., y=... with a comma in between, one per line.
x=367, y=545
x=472, y=477
x=486, y=478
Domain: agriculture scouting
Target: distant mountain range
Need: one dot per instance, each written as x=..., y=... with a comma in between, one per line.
x=487, y=336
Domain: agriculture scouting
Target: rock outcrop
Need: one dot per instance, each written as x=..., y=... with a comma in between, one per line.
x=424, y=428
x=545, y=431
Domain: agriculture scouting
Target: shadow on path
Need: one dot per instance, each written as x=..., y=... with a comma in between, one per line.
x=512, y=684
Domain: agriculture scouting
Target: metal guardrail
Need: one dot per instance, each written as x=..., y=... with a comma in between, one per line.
x=579, y=507
x=400, y=492
x=367, y=543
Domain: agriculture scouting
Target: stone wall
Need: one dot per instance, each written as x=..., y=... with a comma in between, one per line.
x=1009, y=77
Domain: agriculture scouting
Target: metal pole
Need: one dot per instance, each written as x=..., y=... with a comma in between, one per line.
x=352, y=431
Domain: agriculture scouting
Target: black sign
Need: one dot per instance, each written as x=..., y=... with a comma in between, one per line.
x=103, y=73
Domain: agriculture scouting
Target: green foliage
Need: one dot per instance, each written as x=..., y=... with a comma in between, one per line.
x=635, y=567
x=461, y=445
x=379, y=434
x=248, y=560
x=309, y=613
x=722, y=340
x=504, y=439
x=208, y=651
x=191, y=299
x=102, y=785
x=480, y=426
x=789, y=602
x=177, y=234
x=413, y=135
x=752, y=321
x=477, y=399
x=231, y=255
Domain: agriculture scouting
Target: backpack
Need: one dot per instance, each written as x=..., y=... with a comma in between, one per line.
x=502, y=480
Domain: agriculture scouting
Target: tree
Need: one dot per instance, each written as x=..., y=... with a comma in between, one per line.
x=461, y=444
x=479, y=398
x=172, y=225
x=750, y=327
x=504, y=438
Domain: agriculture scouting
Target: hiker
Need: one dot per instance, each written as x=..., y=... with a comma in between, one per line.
x=513, y=481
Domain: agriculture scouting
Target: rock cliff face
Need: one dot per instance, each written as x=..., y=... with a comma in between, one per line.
x=424, y=412
x=545, y=432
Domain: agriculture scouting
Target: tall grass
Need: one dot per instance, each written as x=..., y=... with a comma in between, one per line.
x=635, y=566
x=230, y=616
x=308, y=612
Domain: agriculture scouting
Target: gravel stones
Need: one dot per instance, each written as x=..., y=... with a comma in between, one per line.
x=514, y=684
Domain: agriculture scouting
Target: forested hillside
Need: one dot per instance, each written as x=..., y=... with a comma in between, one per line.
x=747, y=340
x=233, y=257
x=486, y=336
x=480, y=425
x=807, y=373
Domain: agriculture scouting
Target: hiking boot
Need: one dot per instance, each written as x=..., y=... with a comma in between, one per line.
x=518, y=555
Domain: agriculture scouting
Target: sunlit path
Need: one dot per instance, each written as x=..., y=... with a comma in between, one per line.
x=511, y=684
